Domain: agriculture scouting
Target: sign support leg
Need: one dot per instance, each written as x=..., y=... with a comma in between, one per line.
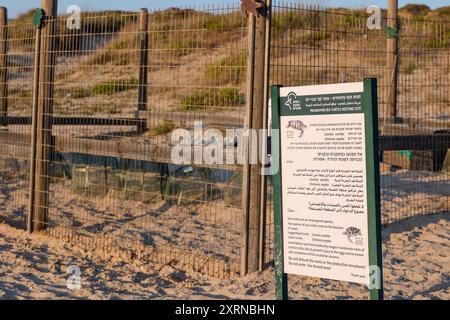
x=281, y=281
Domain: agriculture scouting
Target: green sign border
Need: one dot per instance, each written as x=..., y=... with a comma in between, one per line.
x=370, y=110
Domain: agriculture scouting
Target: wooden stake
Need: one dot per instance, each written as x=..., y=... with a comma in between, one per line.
x=45, y=115
x=392, y=61
x=254, y=120
x=34, y=115
x=263, y=195
x=247, y=124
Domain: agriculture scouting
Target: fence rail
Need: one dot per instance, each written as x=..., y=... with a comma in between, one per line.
x=111, y=92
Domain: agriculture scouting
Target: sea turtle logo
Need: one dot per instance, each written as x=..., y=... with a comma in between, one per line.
x=298, y=126
x=290, y=100
x=352, y=232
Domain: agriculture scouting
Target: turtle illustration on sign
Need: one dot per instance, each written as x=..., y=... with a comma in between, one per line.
x=352, y=232
x=298, y=126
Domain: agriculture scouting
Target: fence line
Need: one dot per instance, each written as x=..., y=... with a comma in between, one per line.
x=125, y=80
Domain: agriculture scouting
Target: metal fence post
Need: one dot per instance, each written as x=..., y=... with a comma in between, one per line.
x=392, y=60
x=143, y=70
x=44, y=143
x=3, y=62
x=254, y=121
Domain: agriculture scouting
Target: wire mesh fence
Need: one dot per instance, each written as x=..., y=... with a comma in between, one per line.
x=15, y=138
x=125, y=80
x=112, y=186
x=140, y=203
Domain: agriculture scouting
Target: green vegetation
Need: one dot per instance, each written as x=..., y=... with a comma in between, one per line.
x=444, y=11
x=409, y=68
x=122, y=62
x=163, y=128
x=115, y=52
x=227, y=97
x=436, y=43
x=184, y=45
x=227, y=70
x=289, y=20
x=120, y=45
x=312, y=38
x=171, y=14
x=79, y=93
x=104, y=108
x=221, y=22
x=106, y=21
x=115, y=86
x=419, y=18
x=355, y=18
x=213, y=23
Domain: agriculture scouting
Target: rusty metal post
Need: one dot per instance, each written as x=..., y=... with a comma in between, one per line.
x=143, y=71
x=392, y=61
x=3, y=62
x=44, y=141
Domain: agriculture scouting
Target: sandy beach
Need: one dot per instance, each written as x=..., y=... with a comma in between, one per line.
x=416, y=253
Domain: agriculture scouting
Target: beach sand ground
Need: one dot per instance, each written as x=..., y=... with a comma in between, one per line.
x=416, y=255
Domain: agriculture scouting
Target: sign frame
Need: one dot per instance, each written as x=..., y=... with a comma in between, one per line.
x=370, y=109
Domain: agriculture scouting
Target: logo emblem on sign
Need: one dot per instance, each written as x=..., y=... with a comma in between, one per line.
x=290, y=100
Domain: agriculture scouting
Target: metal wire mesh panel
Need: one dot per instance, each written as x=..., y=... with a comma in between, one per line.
x=14, y=128
x=113, y=184
x=418, y=182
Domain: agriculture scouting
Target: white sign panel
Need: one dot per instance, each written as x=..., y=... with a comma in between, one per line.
x=324, y=179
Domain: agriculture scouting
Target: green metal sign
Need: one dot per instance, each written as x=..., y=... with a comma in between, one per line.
x=327, y=191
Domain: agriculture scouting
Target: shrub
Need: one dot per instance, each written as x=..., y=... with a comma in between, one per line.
x=120, y=45
x=436, y=43
x=213, y=23
x=410, y=68
x=228, y=70
x=79, y=93
x=163, y=128
x=184, y=45
x=221, y=22
x=445, y=11
x=289, y=20
x=312, y=38
x=227, y=97
x=115, y=86
x=355, y=18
